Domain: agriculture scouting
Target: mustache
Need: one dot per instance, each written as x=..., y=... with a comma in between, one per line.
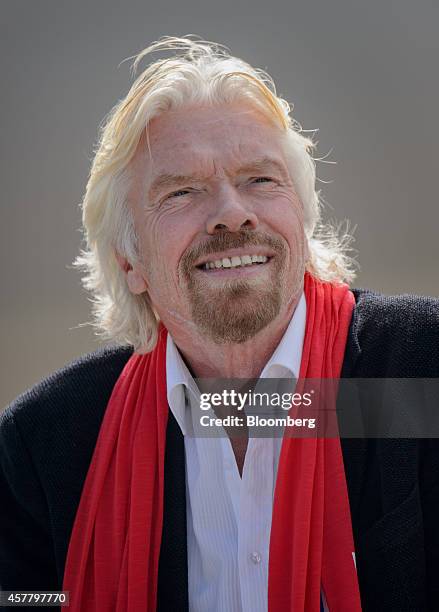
x=230, y=240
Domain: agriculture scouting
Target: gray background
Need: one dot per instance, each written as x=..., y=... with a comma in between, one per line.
x=364, y=73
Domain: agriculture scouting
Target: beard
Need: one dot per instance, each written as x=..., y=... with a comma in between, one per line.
x=237, y=309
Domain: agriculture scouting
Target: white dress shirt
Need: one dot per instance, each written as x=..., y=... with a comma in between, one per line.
x=229, y=517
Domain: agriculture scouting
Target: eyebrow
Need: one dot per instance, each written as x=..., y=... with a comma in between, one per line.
x=169, y=181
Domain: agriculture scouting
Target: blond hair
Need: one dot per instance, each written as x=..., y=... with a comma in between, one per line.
x=197, y=72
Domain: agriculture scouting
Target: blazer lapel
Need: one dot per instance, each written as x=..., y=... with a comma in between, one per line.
x=173, y=570
x=354, y=449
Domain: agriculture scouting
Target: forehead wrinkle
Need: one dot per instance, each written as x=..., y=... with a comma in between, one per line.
x=261, y=164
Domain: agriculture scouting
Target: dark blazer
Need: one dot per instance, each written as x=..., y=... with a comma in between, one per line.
x=48, y=434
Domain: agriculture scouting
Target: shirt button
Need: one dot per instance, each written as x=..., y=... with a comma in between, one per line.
x=255, y=557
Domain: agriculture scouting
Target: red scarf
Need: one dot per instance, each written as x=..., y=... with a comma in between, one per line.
x=113, y=555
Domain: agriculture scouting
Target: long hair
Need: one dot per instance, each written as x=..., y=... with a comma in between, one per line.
x=197, y=72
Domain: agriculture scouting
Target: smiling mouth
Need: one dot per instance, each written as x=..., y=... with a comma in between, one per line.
x=226, y=263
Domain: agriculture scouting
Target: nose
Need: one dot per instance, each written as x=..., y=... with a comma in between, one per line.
x=231, y=214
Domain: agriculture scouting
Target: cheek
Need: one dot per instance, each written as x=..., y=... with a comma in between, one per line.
x=152, y=234
x=163, y=243
x=287, y=217
x=292, y=229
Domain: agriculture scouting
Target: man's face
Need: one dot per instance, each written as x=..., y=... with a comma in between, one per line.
x=220, y=226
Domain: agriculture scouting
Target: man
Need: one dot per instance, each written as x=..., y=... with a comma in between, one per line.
x=206, y=260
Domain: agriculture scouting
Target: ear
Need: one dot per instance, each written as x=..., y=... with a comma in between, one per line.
x=135, y=281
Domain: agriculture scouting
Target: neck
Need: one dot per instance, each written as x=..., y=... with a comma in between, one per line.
x=206, y=359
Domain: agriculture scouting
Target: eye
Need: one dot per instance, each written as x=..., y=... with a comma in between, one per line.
x=261, y=179
x=177, y=194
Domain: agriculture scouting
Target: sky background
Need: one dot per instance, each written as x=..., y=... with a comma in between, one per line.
x=363, y=74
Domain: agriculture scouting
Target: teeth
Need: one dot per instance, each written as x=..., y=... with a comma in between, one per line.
x=235, y=261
